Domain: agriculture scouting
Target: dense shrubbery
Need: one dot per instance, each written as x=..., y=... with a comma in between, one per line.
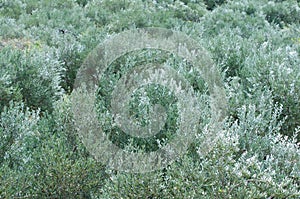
x=256, y=45
x=41, y=158
x=34, y=76
x=261, y=55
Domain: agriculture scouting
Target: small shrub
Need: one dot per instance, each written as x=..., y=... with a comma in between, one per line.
x=250, y=160
x=39, y=159
x=282, y=13
x=34, y=74
x=12, y=9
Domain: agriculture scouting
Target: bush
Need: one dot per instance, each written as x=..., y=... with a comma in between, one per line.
x=8, y=90
x=9, y=29
x=35, y=74
x=122, y=15
x=12, y=9
x=39, y=160
x=283, y=13
x=248, y=161
x=263, y=59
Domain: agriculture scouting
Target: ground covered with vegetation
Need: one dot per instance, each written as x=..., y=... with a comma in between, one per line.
x=255, y=44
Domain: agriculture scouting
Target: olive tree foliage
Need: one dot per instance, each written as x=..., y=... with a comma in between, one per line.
x=254, y=44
